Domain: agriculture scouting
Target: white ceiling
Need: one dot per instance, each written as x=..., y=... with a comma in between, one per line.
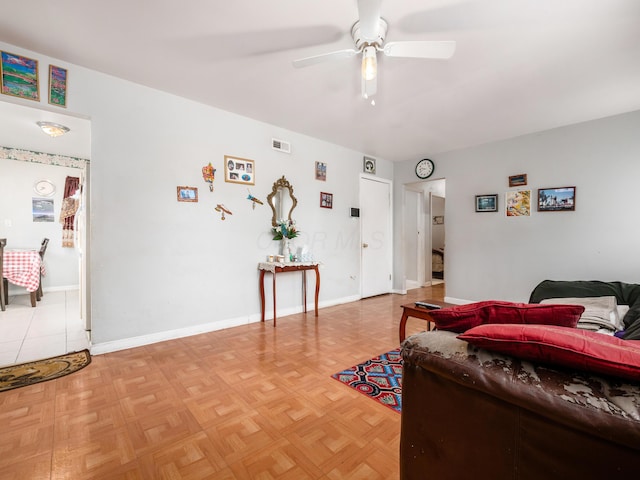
x=520, y=66
x=18, y=129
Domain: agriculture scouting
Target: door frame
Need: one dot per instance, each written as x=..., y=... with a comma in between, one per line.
x=424, y=232
x=427, y=240
x=27, y=115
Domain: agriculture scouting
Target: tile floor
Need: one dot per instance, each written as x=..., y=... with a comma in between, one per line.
x=52, y=328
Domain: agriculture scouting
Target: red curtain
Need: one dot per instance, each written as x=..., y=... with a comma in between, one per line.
x=68, y=212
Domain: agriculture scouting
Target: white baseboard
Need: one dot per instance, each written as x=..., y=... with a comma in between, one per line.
x=457, y=301
x=125, y=343
x=59, y=289
x=411, y=284
x=17, y=290
x=132, y=342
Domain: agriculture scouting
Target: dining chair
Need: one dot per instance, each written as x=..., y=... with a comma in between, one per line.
x=43, y=249
x=4, y=288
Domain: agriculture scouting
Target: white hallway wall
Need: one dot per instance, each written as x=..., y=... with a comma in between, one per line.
x=491, y=256
x=161, y=268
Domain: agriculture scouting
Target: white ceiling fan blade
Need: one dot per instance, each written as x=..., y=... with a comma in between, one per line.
x=421, y=49
x=304, y=62
x=369, y=16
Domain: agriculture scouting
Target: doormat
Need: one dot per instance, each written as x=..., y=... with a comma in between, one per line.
x=16, y=376
x=379, y=378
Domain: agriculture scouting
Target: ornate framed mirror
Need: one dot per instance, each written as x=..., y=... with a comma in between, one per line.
x=281, y=200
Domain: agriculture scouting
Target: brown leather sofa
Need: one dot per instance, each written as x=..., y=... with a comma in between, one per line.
x=471, y=413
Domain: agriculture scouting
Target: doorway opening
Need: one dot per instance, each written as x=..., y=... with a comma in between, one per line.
x=424, y=233
x=60, y=322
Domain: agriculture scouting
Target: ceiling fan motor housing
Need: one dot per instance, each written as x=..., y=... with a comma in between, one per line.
x=362, y=42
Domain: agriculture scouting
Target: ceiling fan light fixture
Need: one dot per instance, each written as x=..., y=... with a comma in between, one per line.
x=369, y=71
x=369, y=63
x=369, y=33
x=53, y=129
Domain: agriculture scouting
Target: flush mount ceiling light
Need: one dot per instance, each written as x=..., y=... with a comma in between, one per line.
x=53, y=129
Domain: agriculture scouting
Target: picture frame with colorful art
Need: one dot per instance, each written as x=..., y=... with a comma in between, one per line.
x=239, y=170
x=19, y=76
x=58, y=77
x=187, y=194
x=321, y=171
x=518, y=203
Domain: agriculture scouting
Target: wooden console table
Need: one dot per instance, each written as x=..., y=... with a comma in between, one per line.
x=276, y=268
x=412, y=310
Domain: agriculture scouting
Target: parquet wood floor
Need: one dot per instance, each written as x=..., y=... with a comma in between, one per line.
x=250, y=402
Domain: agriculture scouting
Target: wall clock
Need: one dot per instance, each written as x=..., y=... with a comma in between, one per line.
x=424, y=168
x=44, y=188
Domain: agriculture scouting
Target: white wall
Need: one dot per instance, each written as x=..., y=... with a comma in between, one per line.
x=17, y=180
x=161, y=268
x=490, y=256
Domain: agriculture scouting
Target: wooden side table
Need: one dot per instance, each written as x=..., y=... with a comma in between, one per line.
x=411, y=310
x=276, y=268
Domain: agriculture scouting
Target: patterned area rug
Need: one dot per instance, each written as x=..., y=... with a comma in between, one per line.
x=16, y=376
x=379, y=378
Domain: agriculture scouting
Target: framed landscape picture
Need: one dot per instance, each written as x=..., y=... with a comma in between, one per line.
x=559, y=199
x=487, y=203
x=19, y=76
x=187, y=194
x=518, y=180
x=239, y=170
x=57, y=86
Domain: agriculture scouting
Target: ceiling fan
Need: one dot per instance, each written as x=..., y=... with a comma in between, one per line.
x=369, y=33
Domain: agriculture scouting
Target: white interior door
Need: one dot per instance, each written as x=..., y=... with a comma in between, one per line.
x=376, y=239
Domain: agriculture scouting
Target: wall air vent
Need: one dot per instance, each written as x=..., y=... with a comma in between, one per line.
x=280, y=145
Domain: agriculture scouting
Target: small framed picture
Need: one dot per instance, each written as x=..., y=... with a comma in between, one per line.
x=239, y=170
x=326, y=200
x=369, y=165
x=321, y=171
x=19, y=76
x=42, y=209
x=518, y=180
x=187, y=194
x=487, y=203
x=438, y=220
x=57, y=86
x=559, y=199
